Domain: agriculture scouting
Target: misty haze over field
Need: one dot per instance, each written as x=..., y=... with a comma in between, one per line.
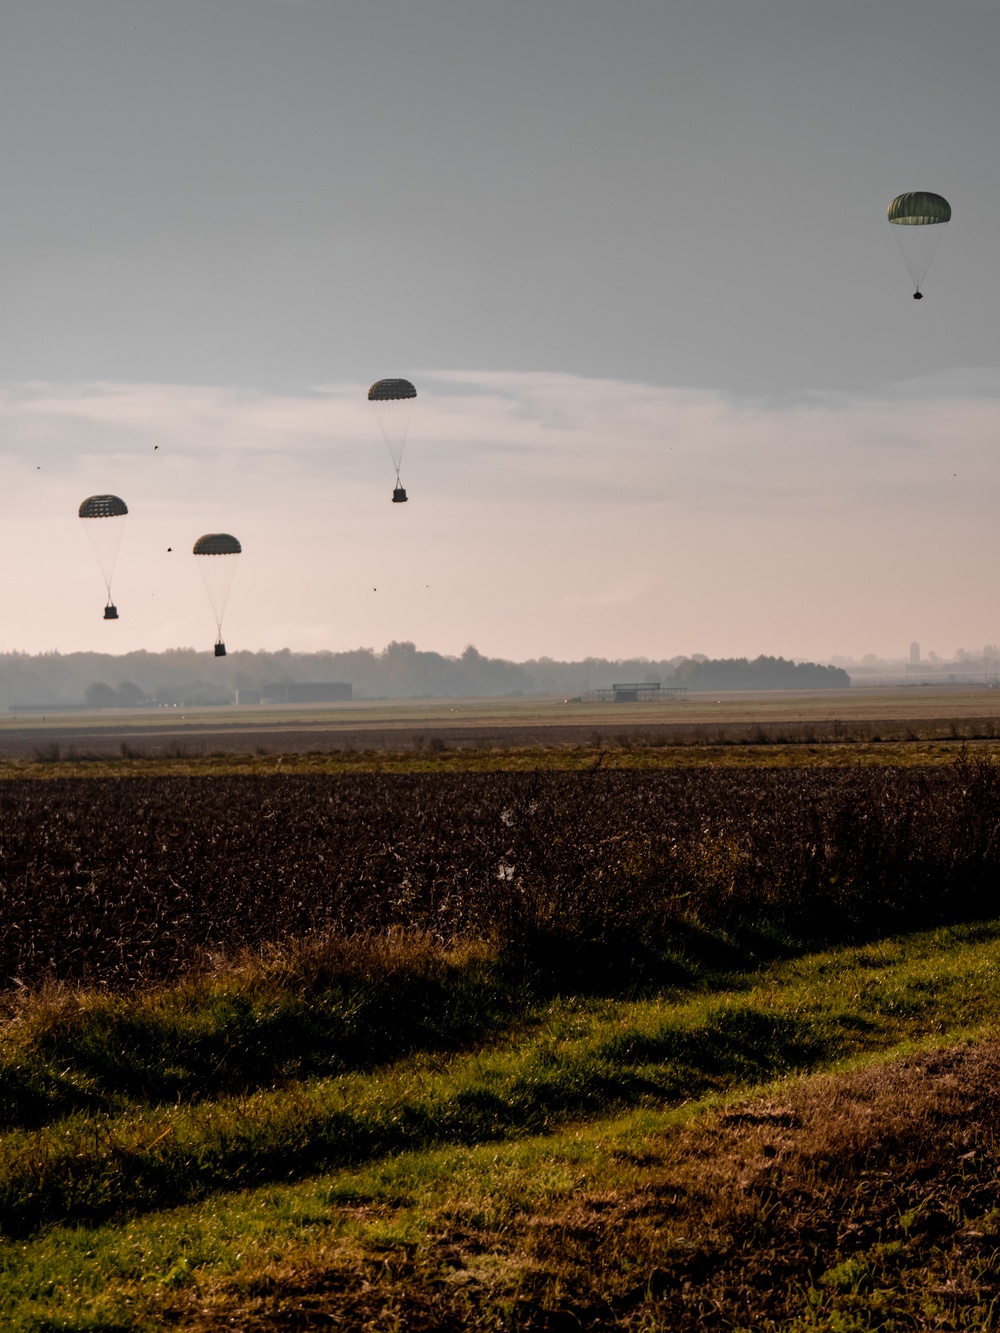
x=402, y=671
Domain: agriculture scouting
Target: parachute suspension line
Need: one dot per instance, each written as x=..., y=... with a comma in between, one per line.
x=394, y=420
x=392, y=400
x=217, y=554
x=103, y=521
x=918, y=220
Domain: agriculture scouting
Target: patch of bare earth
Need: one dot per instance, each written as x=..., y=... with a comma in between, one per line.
x=869, y=1201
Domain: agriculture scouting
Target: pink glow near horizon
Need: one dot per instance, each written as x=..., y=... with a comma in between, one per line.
x=550, y=515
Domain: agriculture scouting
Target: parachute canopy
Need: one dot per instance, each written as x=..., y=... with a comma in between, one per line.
x=105, y=535
x=383, y=391
x=393, y=400
x=217, y=573
x=217, y=543
x=919, y=208
x=918, y=219
x=103, y=506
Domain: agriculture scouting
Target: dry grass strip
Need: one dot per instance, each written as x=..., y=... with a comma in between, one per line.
x=865, y=1201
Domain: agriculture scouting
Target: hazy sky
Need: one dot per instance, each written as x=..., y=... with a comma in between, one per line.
x=674, y=394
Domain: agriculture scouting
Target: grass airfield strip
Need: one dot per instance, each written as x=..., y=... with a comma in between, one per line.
x=886, y=725
x=832, y=1200
x=903, y=713
x=858, y=703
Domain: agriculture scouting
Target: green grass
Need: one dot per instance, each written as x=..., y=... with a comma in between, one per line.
x=186, y=1200
x=320, y=1012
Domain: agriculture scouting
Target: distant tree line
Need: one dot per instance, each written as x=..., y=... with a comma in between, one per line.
x=763, y=673
x=183, y=676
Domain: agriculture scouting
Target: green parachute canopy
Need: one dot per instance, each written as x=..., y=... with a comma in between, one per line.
x=393, y=405
x=217, y=574
x=217, y=543
x=918, y=220
x=919, y=208
x=104, y=522
x=383, y=391
x=103, y=506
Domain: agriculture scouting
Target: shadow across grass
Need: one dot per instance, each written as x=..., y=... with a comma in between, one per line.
x=97, y=1167
x=319, y=1011
x=577, y=1059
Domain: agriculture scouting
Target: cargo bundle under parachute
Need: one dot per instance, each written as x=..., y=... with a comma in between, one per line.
x=393, y=401
x=217, y=552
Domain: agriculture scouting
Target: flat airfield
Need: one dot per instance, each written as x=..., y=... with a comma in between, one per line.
x=862, y=714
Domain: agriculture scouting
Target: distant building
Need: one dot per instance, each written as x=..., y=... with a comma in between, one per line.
x=914, y=654
x=308, y=692
x=635, y=693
